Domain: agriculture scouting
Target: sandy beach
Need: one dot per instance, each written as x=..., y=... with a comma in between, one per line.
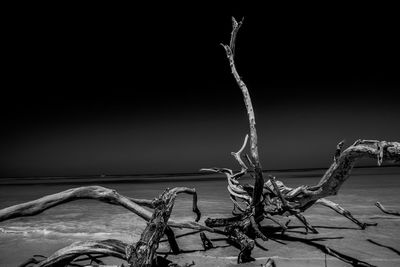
x=89, y=220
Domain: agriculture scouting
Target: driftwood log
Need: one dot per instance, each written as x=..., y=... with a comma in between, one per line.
x=252, y=203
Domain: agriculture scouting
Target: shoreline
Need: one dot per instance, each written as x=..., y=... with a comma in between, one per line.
x=199, y=176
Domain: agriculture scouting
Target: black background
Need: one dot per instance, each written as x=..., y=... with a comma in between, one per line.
x=132, y=89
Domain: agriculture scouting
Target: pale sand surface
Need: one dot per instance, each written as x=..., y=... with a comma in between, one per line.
x=83, y=220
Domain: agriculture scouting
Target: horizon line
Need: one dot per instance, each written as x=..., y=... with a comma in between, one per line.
x=103, y=175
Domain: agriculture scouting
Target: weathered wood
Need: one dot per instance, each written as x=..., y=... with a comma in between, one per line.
x=273, y=197
x=109, y=247
x=102, y=194
x=242, y=241
x=259, y=180
x=88, y=192
x=383, y=209
x=340, y=169
x=143, y=253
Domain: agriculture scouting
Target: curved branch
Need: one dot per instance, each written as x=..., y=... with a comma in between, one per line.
x=384, y=210
x=87, y=192
x=341, y=168
x=103, y=194
x=190, y=191
x=109, y=247
x=237, y=156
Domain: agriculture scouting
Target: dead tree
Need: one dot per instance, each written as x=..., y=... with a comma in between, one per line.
x=253, y=203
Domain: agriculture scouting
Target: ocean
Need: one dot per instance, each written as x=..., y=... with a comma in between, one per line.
x=60, y=226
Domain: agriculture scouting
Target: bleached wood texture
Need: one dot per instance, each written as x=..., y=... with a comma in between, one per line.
x=109, y=247
x=102, y=194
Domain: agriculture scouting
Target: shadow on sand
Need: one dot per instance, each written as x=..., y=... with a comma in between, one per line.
x=388, y=247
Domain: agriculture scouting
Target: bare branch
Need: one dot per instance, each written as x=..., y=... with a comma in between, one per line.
x=336, y=207
x=383, y=209
x=103, y=194
x=88, y=192
x=341, y=168
x=110, y=247
x=258, y=184
x=237, y=156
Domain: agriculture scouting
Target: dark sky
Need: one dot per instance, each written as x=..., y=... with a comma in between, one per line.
x=128, y=89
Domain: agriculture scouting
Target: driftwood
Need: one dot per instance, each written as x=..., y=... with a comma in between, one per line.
x=265, y=199
x=385, y=210
x=102, y=194
x=252, y=203
x=142, y=253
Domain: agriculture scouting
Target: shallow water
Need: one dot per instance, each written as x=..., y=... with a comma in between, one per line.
x=87, y=219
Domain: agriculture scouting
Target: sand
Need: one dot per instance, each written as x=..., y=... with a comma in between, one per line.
x=82, y=220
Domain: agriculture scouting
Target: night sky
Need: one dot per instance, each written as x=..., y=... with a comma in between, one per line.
x=130, y=90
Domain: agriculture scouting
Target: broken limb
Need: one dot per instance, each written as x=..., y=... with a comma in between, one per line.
x=143, y=253
x=383, y=209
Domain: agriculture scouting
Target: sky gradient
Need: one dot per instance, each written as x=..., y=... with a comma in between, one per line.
x=115, y=92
